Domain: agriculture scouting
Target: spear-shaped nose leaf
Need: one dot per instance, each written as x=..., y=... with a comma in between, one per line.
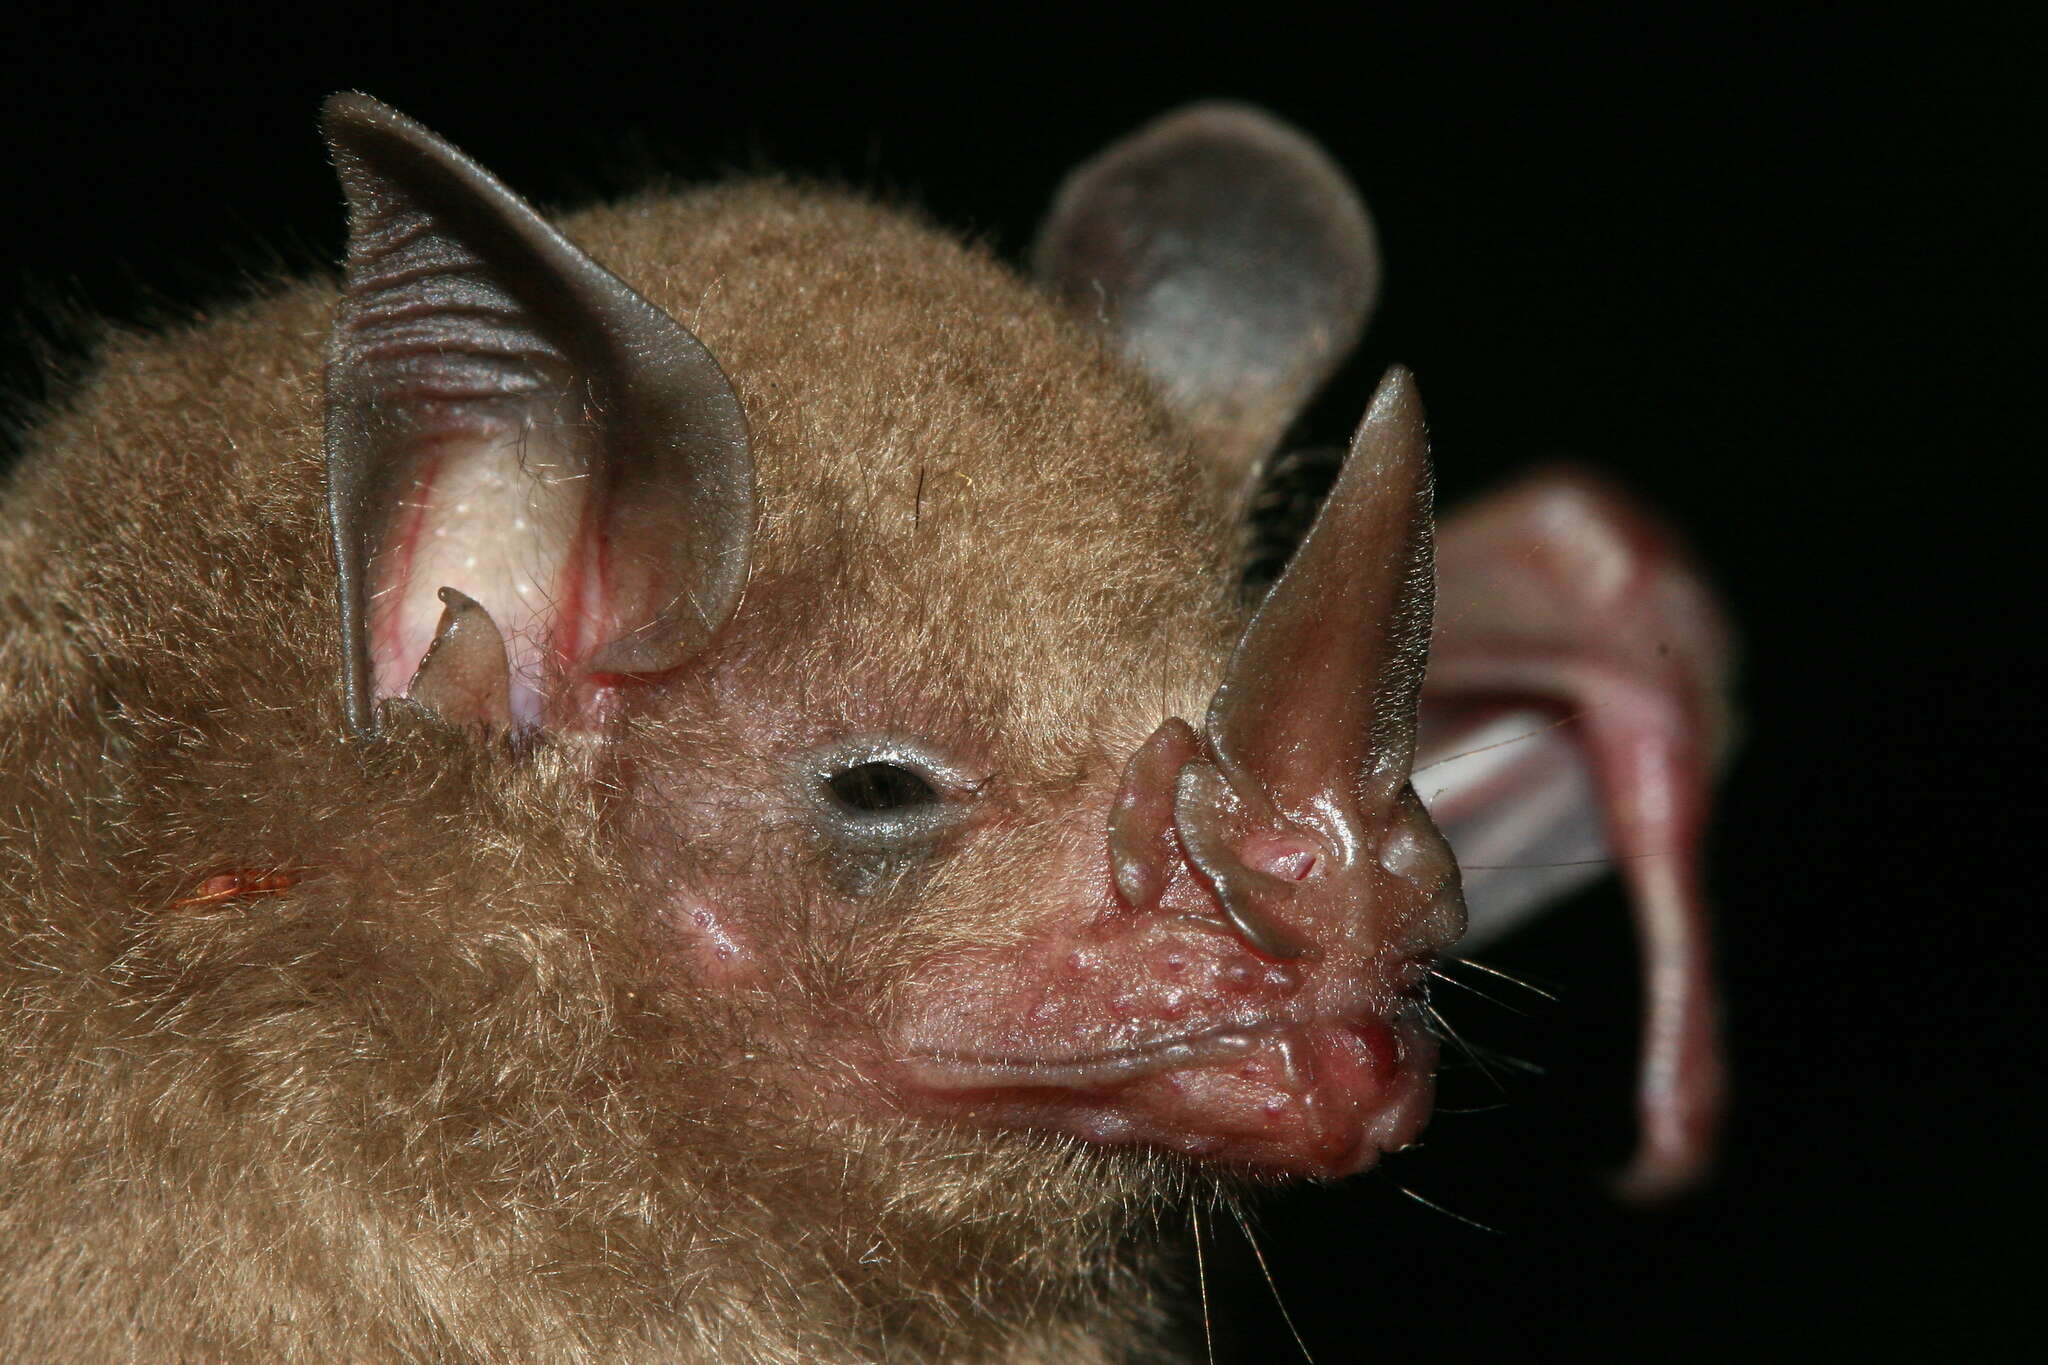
x=1312, y=733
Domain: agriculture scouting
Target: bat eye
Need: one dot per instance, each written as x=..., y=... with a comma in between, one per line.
x=885, y=797
x=880, y=789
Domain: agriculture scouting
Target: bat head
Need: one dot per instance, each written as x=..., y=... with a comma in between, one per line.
x=897, y=613
x=805, y=773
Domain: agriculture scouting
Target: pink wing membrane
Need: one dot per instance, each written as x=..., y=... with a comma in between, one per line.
x=1575, y=718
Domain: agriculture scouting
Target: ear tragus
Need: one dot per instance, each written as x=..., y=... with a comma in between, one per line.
x=508, y=419
x=1232, y=259
x=465, y=676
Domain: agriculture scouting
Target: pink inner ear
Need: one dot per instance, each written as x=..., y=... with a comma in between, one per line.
x=498, y=511
x=509, y=420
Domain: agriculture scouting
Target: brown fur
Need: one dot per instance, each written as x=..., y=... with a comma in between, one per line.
x=440, y=1100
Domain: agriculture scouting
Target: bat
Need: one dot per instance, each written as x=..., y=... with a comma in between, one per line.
x=706, y=781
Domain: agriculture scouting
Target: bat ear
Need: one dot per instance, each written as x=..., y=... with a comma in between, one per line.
x=1232, y=259
x=509, y=421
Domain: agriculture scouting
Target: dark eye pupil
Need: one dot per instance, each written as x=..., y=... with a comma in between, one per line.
x=880, y=787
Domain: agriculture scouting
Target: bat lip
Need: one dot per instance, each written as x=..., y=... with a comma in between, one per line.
x=978, y=1071
x=1320, y=1096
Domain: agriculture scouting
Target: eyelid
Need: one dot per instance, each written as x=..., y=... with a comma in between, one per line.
x=947, y=779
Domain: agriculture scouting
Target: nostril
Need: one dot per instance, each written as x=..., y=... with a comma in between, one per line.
x=1235, y=860
x=1294, y=866
x=1280, y=856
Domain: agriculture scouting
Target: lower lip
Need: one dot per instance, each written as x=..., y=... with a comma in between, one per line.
x=1374, y=1084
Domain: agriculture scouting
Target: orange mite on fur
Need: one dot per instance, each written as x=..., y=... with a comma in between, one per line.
x=777, y=903
x=228, y=886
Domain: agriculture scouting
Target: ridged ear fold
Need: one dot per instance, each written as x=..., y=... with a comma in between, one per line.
x=1231, y=258
x=508, y=420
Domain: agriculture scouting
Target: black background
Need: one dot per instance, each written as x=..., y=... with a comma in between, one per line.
x=1775, y=274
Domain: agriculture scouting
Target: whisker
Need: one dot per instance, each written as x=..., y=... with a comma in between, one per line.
x=1565, y=719
x=1202, y=1285
x=1448, y=1213
x=1441, y=975
x=1608, y=861
x=1480, y=1056
x=1508, y=977
x=1253, y=1242
x=1471, y=1054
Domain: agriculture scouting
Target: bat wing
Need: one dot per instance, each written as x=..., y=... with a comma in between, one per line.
x=1574, y=719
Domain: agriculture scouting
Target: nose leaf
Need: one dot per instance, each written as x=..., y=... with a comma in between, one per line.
x=1299, y=814
x=1317, y=705
x=1292, y=803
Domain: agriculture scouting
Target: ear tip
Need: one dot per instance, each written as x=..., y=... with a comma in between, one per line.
x=1394, y=433
x=348, y=109
x=1396, y=395
x=1254, y=131
x=350, y=118
x=1248, y=132
x=376, y=149
x=1232, y=118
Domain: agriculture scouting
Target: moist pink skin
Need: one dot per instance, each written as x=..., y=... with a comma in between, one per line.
x=1317, y=1099
x=1166, y=1028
